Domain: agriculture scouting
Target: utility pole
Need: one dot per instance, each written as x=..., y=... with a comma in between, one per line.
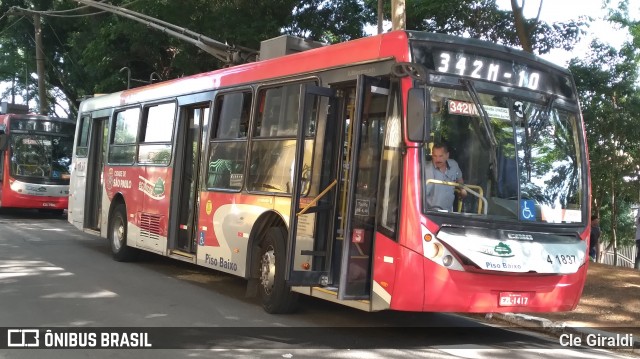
x=398, y=15
x=380, y=15
x=42, y=90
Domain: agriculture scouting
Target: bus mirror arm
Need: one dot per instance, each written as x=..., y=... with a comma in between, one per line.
x=4, y=140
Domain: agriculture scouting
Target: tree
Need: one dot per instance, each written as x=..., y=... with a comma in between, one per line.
x=483, y=20
x=607, y=82
x=86, y=48
x=329, y=21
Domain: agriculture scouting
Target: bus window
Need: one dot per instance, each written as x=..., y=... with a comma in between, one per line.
x=390, y=170
x=83, y=137
x=274, y=144
x=123, y=140
x=156, y=133
x=228, y=143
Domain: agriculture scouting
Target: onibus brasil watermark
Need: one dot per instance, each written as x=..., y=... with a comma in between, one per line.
x=83, y=338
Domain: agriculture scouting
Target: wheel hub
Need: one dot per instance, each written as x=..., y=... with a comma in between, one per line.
x=268, y=270
x=118, y=234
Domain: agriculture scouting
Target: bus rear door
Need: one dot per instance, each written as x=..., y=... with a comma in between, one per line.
x=184, y=202
x=86, y=188
x=95, y=167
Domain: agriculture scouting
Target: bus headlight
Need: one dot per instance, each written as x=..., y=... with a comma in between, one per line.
x=447, y=260
x=432, y=249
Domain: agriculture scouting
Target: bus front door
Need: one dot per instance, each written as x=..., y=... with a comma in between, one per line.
x=364, y=114
x=184, y=204
x=333, y=210
x=315, y=179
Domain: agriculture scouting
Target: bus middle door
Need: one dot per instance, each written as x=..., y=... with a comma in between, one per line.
x=314, y=192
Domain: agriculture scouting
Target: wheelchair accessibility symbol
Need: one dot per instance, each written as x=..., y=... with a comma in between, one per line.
x=527, y=210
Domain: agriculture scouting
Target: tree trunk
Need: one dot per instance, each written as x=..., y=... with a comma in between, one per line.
x=614, y=221
x=522, y=30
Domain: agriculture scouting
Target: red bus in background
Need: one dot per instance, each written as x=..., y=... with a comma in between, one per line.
x=35, y=160
x=311, y=173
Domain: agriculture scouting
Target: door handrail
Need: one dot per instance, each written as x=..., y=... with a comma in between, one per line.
x=324, y=192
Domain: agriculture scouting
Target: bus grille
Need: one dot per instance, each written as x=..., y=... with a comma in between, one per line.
x=150, y=226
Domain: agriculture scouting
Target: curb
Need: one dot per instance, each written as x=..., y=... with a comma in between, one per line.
x=560, y=328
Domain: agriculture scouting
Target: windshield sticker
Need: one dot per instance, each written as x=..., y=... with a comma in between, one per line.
x=527, y=210
x=470, y=109
x=518, y=108
x=560, y=215
x=36, y=142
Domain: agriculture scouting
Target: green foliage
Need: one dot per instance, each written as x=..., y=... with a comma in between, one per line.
x=85, y=49
x=483, y=20
x=607, y=80
x=329, y=22
x=625, y=224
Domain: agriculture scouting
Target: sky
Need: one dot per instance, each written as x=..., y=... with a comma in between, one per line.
x=563, y=10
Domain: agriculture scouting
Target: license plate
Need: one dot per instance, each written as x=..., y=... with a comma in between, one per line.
x=512, y=299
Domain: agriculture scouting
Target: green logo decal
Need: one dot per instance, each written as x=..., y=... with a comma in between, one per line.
x=158, y=189
x=502, y=249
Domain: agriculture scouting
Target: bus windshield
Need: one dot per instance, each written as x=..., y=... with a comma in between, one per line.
x=525, y=167
x=41, y=158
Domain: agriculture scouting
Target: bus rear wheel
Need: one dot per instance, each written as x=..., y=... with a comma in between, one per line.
x=276, y=295
x=118, y=235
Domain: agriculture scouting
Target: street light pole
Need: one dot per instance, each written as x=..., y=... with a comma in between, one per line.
x=398, y=15
x=380, y=15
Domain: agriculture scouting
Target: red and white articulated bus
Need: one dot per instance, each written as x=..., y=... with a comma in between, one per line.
x=309, y=174
x=35, y=160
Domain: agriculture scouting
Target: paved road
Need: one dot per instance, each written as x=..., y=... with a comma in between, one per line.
x=52, y=275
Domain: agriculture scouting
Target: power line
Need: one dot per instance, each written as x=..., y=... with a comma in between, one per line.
x=13, y=24
x=61, y=13
x=226, y=53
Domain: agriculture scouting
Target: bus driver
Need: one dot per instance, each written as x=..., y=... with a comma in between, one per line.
x=441, y=168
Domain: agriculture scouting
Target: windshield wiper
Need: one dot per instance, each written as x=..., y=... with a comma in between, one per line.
x=552, y=100
x=471, y=89
x=468, y=84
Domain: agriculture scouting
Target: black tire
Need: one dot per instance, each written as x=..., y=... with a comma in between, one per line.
x=276, y=295
x=118, y=235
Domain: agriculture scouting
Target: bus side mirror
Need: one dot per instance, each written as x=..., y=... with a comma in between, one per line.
x=417, y=119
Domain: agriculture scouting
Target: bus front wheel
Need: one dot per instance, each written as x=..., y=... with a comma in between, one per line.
x=118, y=235
x=276, y=295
